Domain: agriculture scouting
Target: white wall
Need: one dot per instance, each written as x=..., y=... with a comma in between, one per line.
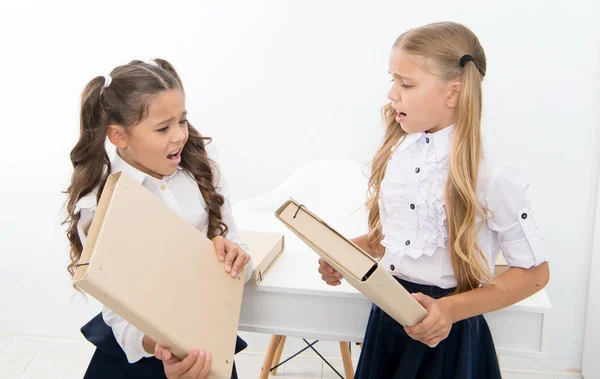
x=278, y=84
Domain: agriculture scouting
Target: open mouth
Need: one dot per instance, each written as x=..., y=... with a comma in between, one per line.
x=400, y=117
x=175, y=155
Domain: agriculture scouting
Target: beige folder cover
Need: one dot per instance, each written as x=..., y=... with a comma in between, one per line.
x=264, y=248
x=161, y=274
x=356, y=266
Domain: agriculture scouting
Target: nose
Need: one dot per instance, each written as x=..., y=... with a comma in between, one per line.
x=179, y=135
x=393, y=95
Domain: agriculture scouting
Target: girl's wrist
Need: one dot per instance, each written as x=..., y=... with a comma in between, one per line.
x=449, y=305
x=148, y=344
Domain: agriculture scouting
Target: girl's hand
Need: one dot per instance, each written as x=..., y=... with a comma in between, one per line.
x=436, y=326
x=195, y=366
x=232, y=254
x=328, y=274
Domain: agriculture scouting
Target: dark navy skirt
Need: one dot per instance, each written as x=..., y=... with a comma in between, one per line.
x=389, y=353
x=109, y=360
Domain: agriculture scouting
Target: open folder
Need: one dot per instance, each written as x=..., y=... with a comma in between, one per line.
x=359, y=268
x=161, y=274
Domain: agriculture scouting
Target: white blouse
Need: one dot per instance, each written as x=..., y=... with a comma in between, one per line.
x=181, y=193
x=413, y=213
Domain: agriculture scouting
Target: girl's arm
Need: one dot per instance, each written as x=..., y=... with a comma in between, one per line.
x=514, y=285
x=514, y=224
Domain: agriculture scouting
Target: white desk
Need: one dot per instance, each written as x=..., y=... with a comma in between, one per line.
x=294, y=301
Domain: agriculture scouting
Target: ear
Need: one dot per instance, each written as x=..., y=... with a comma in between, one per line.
x=453, y=94
x=117, y=136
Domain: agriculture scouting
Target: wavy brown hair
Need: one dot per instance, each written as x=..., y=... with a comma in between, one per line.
x=442, y=45
x=125, y=102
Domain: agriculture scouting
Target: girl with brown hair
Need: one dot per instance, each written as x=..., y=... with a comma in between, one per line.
x=140, y=109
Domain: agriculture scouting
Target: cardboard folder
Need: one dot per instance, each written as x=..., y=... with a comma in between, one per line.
x=359, y=268
x=161, y=274
x=265, y=248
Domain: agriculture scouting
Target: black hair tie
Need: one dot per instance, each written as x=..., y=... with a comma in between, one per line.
x=465, y=58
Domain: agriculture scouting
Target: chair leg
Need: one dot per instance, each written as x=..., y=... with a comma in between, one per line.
x=271, y=350
x=347, y=359
x=278, y=353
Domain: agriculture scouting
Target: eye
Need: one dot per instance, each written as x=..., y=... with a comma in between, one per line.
x=406, y=86
x=183, y=122
x=162, y=130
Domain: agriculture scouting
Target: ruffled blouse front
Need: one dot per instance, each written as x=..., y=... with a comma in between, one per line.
x=414, y=219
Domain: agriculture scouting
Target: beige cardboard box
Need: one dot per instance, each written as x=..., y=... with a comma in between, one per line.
x=161, y=274
x=264, y=248
x=356, y=266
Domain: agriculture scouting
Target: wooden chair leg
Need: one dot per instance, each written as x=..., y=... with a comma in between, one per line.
x=271, y=350
x=347, y=359
x=278, y=353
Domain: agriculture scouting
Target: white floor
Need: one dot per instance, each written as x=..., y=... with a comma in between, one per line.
x=35, y=358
